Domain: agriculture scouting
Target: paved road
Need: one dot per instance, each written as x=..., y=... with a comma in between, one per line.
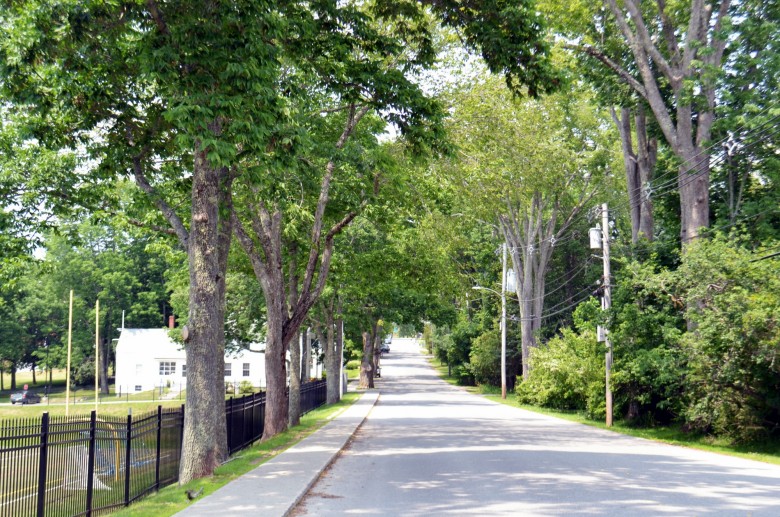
x=431, y=449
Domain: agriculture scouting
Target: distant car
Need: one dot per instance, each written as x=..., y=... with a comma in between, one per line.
x=25, y=397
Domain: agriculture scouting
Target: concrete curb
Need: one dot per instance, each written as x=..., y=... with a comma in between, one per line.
x=277, y=486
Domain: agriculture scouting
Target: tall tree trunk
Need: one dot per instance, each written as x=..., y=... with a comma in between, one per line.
x=329, y=334
x=277, y=400
x=527, y=337
x=305, y=355
x=377, y=349
x=367, y=363
x=33, y=374
x=105, y=350
x=204, y=444
x=676, y=66
x=530, y=232
x=693, y=181
x=264, y=250
x=294, y=408
x=647, y=153
x=639, y=170
x=295, y=382
x=334, y=388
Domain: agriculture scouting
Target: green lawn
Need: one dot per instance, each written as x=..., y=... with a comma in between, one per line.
x=768, y=452
x=173, y=498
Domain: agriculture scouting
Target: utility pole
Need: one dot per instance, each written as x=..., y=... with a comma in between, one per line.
x=607, y=304
x=503, y=323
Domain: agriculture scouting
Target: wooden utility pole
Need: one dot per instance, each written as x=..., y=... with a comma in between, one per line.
x=97, y=353
x=503, y=322
x=70, y=342
x=607, y=303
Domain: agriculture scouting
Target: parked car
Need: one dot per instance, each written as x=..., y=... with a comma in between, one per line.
x=25, y=397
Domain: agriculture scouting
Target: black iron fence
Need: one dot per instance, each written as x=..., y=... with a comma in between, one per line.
x=85, y=465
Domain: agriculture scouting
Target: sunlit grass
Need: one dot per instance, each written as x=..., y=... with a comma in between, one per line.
x=173, y=499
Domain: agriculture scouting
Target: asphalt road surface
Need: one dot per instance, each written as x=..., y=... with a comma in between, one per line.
x=428, y=448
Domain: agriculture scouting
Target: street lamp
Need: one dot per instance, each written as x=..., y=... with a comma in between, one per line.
x=502, y=294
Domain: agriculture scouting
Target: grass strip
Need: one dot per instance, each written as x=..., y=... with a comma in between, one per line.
x=173, y=498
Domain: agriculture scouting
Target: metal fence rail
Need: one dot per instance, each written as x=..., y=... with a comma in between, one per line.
x=85, y=465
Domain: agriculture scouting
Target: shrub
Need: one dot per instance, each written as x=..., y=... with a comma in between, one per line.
x=246, y=388
x=85, y=373
x=485, y=359
x=567, y=373
x=732, y=303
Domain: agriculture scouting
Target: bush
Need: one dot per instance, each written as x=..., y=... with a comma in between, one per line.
x=732, y=303
x=463, y=375
x=85, y=373
x=485, y=359
x=567, y=373
x=246, y=388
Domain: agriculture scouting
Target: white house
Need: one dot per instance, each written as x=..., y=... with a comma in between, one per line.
x=147, y=359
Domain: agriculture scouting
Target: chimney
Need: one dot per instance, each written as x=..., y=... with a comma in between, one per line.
x=170, y=321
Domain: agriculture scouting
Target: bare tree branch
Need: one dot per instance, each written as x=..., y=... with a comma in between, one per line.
x=628, y=78
x=168, y=212
x=647, y=43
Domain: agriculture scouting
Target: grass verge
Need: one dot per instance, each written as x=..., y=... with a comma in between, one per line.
x=172, y=499
x=768, y=451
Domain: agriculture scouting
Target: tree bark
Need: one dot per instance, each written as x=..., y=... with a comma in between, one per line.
x=530, y=232
x=277, y=400
x=367, y=363
x=265, y=253
x=204, y=444
x=639, y=167
x=334, y=387
x=294, y=409
x=328, y=329
x=104, y=349
x=305, y=356
x=686, y=133
x=295, y=381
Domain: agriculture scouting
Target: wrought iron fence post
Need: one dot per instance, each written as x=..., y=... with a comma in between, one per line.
x=128, y=450
x=43, y=463
x=91, y=461
x=157, y=461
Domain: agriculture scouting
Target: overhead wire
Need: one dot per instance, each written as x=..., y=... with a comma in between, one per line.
x=696, y=166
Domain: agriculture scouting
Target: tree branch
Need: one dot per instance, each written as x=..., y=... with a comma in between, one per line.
x=627, y=78
x=170, y=215
x=647, y=43
x=140, y=224
x=157, y=16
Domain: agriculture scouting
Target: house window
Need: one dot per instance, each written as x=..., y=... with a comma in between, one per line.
x=167, y=367
x=246, y=369
x=137, y=387
x=184, y=370
x=228, y=370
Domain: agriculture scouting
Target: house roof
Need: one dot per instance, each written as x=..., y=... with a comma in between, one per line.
x=148, y=342
x=157, y=343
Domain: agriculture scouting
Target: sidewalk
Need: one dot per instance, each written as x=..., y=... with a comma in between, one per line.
x=275, y=487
